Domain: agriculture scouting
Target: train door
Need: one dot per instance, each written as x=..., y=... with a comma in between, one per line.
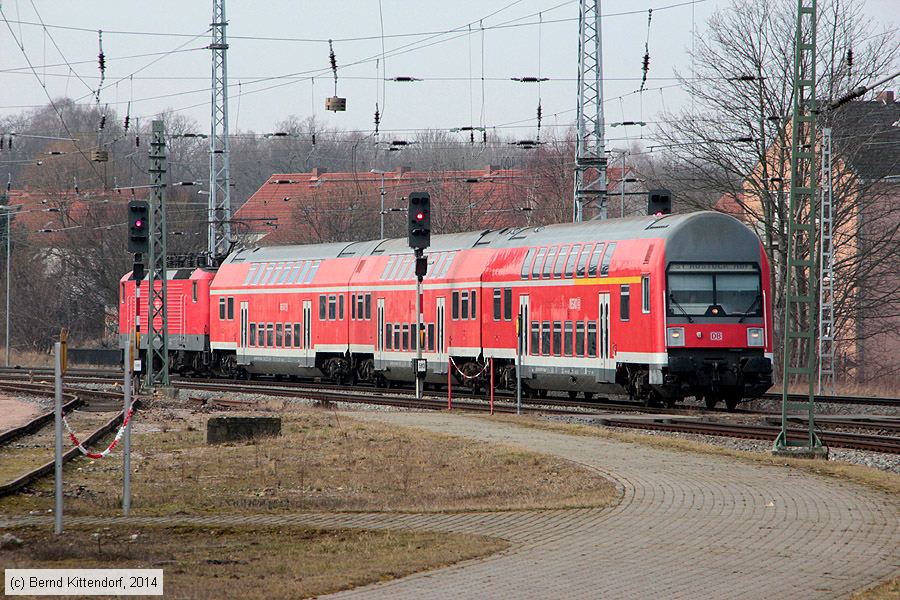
x=439, y=343
x=603, y=345
x=524, y=328
x=306, y=355
x=379, y=335
x=245, y=326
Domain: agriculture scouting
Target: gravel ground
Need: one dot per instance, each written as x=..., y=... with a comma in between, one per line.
x=876, y=460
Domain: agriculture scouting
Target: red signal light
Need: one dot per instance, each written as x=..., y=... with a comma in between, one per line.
x=659, y=214
x=139, y=223
x=420, y=216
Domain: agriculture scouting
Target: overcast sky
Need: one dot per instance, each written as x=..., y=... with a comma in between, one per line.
x=166, y=78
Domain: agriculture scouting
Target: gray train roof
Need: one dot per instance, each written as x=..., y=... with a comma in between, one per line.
x=688, y=237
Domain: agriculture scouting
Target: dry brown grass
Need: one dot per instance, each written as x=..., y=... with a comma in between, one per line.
x=872, y=478
x=250, y=563
x=889, y=590
x=28, y=358
x=323, y=461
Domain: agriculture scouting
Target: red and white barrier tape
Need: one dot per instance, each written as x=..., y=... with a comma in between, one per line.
x=109, y=448
x=463, y=375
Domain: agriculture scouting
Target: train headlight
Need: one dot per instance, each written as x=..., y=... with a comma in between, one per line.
x=755, y=336
x=675, y=336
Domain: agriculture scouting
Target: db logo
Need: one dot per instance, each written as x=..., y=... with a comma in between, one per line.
x=574, y=303
x=716, y=336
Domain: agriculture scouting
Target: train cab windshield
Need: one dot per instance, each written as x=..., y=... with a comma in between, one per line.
x=713, y=290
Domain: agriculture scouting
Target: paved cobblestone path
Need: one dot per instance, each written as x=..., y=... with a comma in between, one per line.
x=687, y=526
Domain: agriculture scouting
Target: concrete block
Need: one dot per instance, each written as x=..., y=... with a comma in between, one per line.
x=220, y=430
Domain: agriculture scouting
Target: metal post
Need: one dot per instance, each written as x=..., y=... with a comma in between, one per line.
x=519, y=364
x=419, y=381
x=8, y=254
x=136, y=357
x=622, y=186
x=492, y=385
x=157, y=305
x=219, y=240
x=590, y=159
x=381, y=234
x=449, y=384
x=58, y=465
x=826, y=273
x=126, y=451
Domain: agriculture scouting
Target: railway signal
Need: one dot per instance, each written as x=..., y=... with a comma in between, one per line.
x=419, y=214
x=659, y=202
x=139, y=226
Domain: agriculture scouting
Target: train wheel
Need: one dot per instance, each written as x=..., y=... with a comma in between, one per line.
x=589, y=396
x=542, y=393
x=731, y=401
x=573, y=395
x=711, y=401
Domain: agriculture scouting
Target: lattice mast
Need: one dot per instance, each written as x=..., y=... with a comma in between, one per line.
x=219, y=240
x=801, y=272
x=826, y=273
x=590, y=157
x=157, y=327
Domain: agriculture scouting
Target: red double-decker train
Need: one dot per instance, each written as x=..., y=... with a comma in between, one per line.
x=658, y=307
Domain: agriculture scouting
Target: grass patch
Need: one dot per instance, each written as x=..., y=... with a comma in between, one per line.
x=265, y=563
x=322, y=462
x=873, y=478
x=889, y=590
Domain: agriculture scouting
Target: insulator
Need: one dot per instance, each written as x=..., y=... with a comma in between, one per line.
x=137, y=141
x=313, y=139
x=102, y=122
x=377, y=118
x=1, y=143
x=471, y=137
x=849, y=57
x=484, y=137
x=9, y=143
x=646, y=65
x=127, y=122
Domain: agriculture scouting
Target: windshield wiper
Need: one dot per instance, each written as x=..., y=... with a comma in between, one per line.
x=746, y=313
x=681, y=308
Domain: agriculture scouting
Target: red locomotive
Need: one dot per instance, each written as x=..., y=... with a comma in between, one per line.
x=659, y=307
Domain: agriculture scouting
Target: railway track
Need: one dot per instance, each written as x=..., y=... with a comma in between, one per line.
x=72, y=399
x=838, y=439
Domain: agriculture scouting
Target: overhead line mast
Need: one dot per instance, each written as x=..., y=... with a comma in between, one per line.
x=219, y=240
x=590, y=151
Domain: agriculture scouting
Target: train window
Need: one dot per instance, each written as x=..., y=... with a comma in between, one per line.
x=341, y=307
x=413, y=336
x=538, y=263
x=624, y=302
x=446, y=266
x=388, y=336
x=567, y=339
x=573, y=258
x=592, y=338
x=230, y=308
x=497, y=296
x=276, y=273
x=581, y=269
x=548, y=263
x=332, y=307
x=251, y=272
x=474, y=304
x=545, y=338
x=560, y=262
x=557, y=338
x=396, y=336
x=193, y=291
x=405, y=336
x=579, y=338
x=312, y=271
x=303, y=271
x=261, y=335
x=526, y=264
x=507, y=304
x=323, y=304
x=535, y=337
x=279, y=335
x=287, y=335
x=595, y=260
x=645, y=294
x=359, y=307
x=368, y=306
x=353, y=306
x=221, y=309
x=387, y=267
x=454, y=311
x=438, y=263
x=285, y=272
x=464, y=305
x=607, y=258
x=297, y=327
x=270, y=335
x=295, y=271
x=260, y=269
x=122, y=294
x=252, y=334
x=431, y=337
